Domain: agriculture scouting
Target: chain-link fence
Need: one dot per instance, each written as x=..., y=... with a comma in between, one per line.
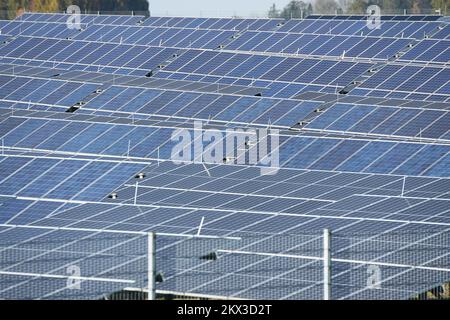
x=351, y=266
x=239, y=267
x=393, y=265
x=52, y=263
x=47, y=263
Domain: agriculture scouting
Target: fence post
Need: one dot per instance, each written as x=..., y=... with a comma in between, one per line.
x=327, y=264
x=151, y=270
x=136, y=193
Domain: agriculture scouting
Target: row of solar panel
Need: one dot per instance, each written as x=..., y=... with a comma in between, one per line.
x=163, y=80
x=105, y=80
x=272, y=68
x=92, y=56
x=215, y=23
x=192, y=105
x=220, y=200
x=224, y=201
x=420, y=83
x=296, y=183
x=250, y=41
x=399, y=95
x=241, y=24
x=322, y=186
x=226, y=64
x=4, y=23
x=221, y=221
x=366, y=156
x=85, y=18
x=279, y=197
x=417, y=17
x=168, y=37
x=437, y=30
x=3, y=38
x=150, y=36
x=403, y=122
x=428, y=79
x=295, y=152
x=44, y=91
x=42, y=177
x=88, y=54
x=323, y=45
x=14, y=107
x=362, y=206
x=147, y=103
x=271, y=89
x=444, y=33
x=24, y=212
x=415, y=79
x=40, y=29
x=398, y=29
x=86, y=137
x=429, y=51
x=178, y=22
x=60, y=67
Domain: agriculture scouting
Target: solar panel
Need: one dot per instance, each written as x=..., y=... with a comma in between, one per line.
x=270, y=69
x=70, y=53
x=383, y=120
x=391, y=27
x=85, y=18
x=88, y=123
x=323, y=45
x=214, y=23
x=406, y=79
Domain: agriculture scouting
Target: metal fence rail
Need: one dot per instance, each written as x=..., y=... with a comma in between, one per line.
x=70, y=263
x=387, y=266
x=59, y=264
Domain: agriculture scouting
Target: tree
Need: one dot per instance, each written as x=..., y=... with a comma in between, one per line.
x=11, y=8
x=420, y=6
x=296, y=10
x=358, y=6
x=398, y=6
x=273, y=12
x=443, y=5
x=326, y=7
x=108, y=5
x=44, y=5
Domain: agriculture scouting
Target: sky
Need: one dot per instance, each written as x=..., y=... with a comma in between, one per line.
x=225, y=8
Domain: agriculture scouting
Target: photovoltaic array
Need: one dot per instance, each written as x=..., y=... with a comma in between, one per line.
x=87, y=117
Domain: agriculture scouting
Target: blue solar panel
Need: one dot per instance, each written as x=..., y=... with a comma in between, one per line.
x=390, y=27
x=363, y=128
x=82, y=54
x=383, y=120
x=85, y=18
x=324, y=45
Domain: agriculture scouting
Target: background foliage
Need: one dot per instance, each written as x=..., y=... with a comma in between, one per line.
x=10, y=8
